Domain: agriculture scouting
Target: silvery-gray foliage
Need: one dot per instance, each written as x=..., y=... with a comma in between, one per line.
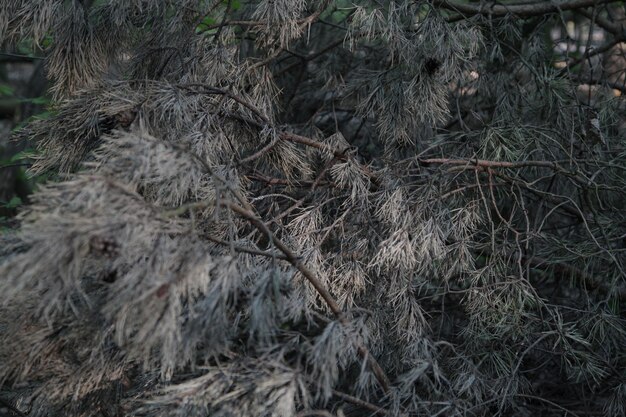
x=296, y=208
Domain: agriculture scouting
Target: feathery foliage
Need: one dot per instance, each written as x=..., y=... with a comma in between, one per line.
x=291, y=208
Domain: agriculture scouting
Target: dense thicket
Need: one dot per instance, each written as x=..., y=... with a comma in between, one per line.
x=295, y=208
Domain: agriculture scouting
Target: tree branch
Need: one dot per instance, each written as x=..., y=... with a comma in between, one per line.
x=520, y=10
x=294, y=260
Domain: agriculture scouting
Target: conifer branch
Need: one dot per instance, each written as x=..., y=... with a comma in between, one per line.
x=521, y=10
x=296, y=261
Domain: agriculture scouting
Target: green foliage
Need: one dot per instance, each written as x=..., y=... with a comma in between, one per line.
x=6, y=90
x=13, y=203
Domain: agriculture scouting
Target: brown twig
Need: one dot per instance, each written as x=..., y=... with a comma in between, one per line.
x=247, y=212
x=244, y=249
x=485, y=165
x=340, y=154
x=301, y=201
x=360, y=402
x=296, y=262
x=520, y=10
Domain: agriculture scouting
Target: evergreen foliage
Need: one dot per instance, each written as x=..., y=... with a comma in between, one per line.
x=295, y=208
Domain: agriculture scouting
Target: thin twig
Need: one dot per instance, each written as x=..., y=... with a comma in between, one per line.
x=247, y=212
x=244, y=249
x=361, y=403
x=296, y=262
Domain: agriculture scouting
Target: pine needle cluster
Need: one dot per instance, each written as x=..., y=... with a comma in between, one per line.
x=294, y=208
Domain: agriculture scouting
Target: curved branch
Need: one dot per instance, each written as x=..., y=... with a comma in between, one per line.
x=521, y=10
